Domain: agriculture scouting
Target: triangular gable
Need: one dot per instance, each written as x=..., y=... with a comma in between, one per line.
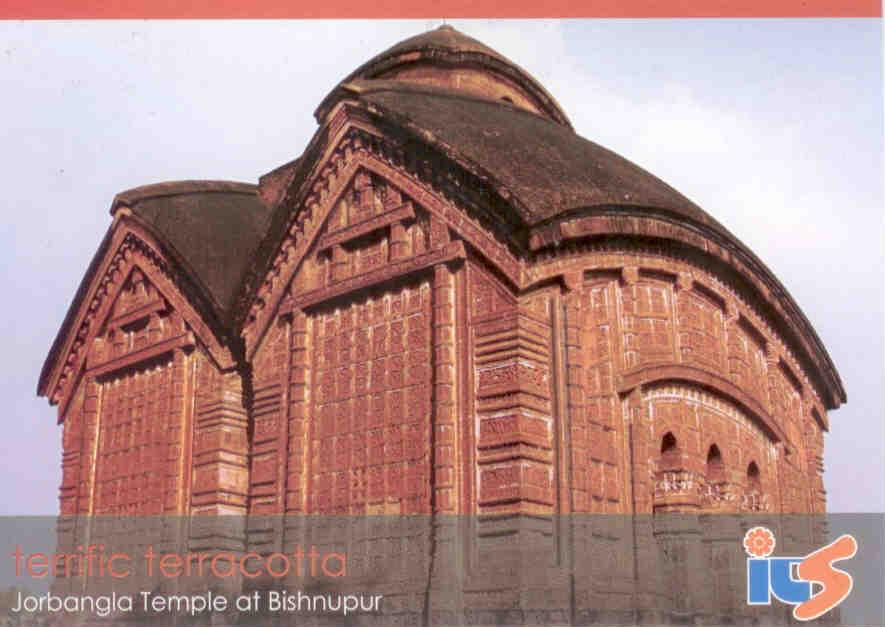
x=140, y=324
x=133, y=290
x=357, y=192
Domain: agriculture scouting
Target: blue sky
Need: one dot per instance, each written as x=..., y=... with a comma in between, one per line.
x=774, y=126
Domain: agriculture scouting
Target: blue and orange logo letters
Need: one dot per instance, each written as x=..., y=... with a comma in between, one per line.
x=811, y=584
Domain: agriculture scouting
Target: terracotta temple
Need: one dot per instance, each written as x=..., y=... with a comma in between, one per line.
x=448, y=303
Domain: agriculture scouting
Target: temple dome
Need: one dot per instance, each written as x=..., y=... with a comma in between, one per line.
x=447, y=58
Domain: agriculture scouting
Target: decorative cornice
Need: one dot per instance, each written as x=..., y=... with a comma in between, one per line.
x=453, y=251
x=185, y=340
x=364, y=227
x=704, y=378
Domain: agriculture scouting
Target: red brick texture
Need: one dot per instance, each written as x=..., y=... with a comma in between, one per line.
x=414, y=363
x=402, y=355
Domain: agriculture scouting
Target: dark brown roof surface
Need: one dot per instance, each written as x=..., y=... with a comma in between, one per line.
x=213, y=227
x=547, y=168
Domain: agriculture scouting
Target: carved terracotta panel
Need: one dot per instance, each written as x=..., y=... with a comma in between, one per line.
x=647, y=322
x=371, y=404
x=135, y=449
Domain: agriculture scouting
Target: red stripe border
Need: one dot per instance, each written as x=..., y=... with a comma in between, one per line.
x=338, y=9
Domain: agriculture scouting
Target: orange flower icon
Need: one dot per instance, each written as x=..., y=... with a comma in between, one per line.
x=759, y=542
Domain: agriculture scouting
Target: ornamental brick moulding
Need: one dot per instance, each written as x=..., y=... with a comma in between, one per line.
x=417, y=314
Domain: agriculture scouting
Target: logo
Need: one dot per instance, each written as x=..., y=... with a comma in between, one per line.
x=811, y=583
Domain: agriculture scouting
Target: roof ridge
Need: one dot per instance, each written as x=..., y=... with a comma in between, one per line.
x=179, y=187
x=363, y=86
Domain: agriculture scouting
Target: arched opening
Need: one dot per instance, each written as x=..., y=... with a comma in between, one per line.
x=671, y=457
x=715, y=488
x=754, y=499
x=715, y=471
x=675, y=488
x=754, y=481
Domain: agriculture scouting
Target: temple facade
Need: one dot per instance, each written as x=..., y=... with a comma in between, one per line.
x=448, y=303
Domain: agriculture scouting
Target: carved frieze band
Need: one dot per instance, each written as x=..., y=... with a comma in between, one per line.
x=451, y=252
x=641, y=376
x=185, y=340
x=360, y=229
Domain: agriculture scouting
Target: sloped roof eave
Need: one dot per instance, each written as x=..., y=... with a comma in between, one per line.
x=685, y=211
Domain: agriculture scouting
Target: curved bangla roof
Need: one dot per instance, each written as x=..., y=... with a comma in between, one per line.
x=225, y=234
x=209, y=228
x=545, y=168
